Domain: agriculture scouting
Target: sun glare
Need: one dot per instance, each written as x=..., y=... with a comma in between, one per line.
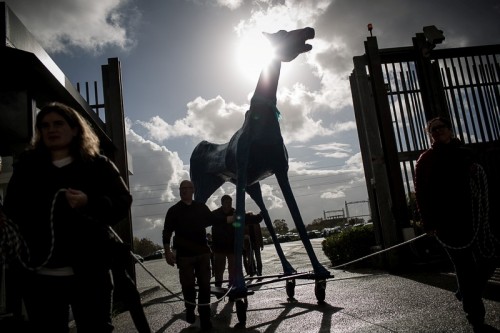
x=252, y=53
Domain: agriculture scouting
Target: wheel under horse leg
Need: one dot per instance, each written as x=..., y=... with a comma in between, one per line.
x=255, y=152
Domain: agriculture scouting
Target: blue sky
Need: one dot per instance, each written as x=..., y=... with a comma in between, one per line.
x=189, y=68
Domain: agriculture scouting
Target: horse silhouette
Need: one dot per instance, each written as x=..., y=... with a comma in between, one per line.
x=255, y=152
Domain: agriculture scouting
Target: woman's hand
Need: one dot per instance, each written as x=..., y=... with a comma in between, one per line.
x=76, y=198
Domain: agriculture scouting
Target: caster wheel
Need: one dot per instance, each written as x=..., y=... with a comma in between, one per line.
x=320, y=290
x=241, y=309
x=290, y=288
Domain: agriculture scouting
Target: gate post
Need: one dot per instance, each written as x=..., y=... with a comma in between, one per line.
x=115, y=128
x=376, y=166
x=429, y=77
x=394, y=202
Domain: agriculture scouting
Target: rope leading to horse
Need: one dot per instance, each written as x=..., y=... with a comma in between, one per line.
x=163, y=285
x=229, y=289
x=379, y=252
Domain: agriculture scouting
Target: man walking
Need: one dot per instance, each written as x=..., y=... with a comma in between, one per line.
x=257, y=245
x=188, y=219
x=223, y=238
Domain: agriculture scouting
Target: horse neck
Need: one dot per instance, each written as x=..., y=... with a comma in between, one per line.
x=267, y=86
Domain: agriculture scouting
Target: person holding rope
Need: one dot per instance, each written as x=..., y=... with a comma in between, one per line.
x=63, y=196
x=451, y=210
x=188, y=219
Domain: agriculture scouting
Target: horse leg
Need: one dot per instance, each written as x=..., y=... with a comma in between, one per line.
x=256, y=194
x=239, y=223
x=282, y=178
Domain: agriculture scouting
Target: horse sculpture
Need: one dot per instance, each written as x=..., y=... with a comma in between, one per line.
x=255, y=152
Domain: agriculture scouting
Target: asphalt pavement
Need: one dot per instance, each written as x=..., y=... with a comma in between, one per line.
x=357, y=300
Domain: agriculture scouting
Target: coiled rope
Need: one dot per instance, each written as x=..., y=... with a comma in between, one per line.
x=482, y=237
x=13, y=245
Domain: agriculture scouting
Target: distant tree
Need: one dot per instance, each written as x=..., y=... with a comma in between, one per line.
x=280, y=226
x=265, y=232
x=356, y=220
x=145, y=246
x=321, y=223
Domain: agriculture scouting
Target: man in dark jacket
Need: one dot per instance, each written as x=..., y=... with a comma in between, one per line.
x=257, y=245
x=189, y=219
x=223, y=238
x=445, y=175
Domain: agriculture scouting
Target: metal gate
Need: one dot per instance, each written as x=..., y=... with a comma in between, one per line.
x=395, y=91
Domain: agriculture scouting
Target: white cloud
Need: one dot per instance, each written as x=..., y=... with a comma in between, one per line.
x=270, y=199
x=333, y=195
x=218, y=120
x=296, y=107
x=156, y=174
x=336, y=154
x=333, y=150
x=205, y=119
x=91, y=25
x=332, y=146
x=231, y=4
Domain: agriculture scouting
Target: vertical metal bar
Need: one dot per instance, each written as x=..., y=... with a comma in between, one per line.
x=495, y=80
x=393, y=107
x=419, y=108
x=481, y=100
x=493, y=93
x=453, y=101
x=477, y=108
x=410, y=123
x=444, y=79
x=466, y=87
x=460, y=104
x=87, y=92
x=403, y=110
x=405, y=175
x=487, y=93
x=96, y=97
x=495, y=73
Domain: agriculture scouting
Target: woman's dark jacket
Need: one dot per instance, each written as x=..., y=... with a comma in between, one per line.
x=443, y=191
x=81, y=236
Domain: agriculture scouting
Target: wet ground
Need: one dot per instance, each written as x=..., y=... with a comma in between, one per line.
x=420, y=300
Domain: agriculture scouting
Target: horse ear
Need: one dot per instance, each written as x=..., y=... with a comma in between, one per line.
x=274, y=37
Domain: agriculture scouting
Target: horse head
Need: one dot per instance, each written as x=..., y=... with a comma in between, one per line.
x=289, y=44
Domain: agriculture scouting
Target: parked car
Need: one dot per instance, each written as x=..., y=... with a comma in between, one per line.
x=155, y=255
x=314, y=234
x=330, y=231
x=268, y=240
x=138, y=257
